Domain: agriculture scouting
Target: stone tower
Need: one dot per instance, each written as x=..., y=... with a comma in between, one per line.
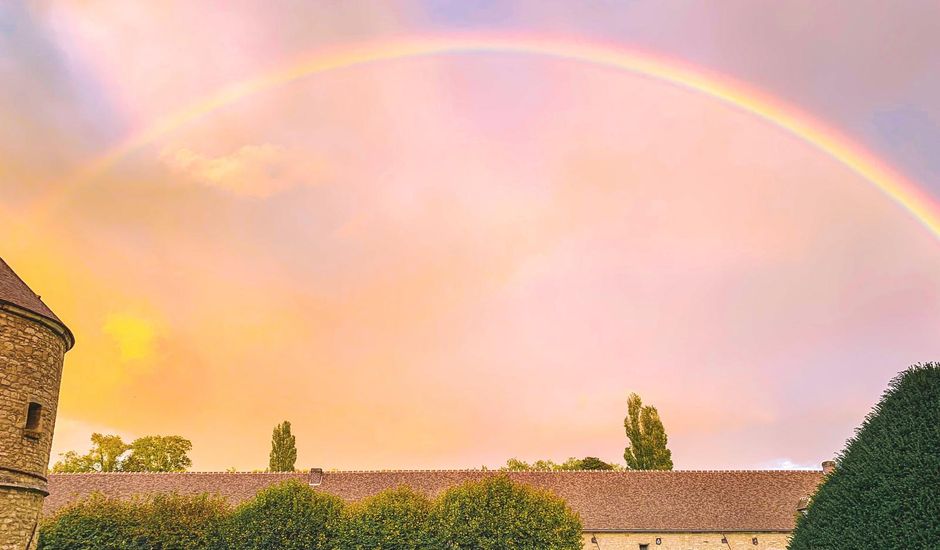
x=33, y=342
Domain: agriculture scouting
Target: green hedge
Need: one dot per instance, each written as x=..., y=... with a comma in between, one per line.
x=396, y=519
x=491, y=514
x=289, y=516
x=165, y=522
x=497, y=514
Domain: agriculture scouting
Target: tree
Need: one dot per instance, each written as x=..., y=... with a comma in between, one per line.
x=109, y=453
x=283, y=449
x=158, y=453
x=497, y=514
x=885, y=489
x=106, y=455
x=594, y=463
x=647, y=449
x=288, y=516
x=586, y=463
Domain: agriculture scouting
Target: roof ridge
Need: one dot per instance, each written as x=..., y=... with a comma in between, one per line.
x=445, y=470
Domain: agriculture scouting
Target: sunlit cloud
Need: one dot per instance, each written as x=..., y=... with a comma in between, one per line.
x=251, y=170
x=446, y=261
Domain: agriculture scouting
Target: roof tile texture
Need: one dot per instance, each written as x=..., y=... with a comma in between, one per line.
x=13, y=290
x=712, y=501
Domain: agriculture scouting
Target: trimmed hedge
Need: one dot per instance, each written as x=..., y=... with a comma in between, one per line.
x=885, y=490
x=165, y=522
x=395, y=519
x=289, y=516
x=492, y=514
x=497, y=514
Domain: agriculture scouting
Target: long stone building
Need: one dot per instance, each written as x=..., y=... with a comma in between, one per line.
x=636, y=510
x=33, y=342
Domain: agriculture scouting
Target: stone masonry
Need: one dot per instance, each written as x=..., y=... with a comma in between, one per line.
x=33, y=343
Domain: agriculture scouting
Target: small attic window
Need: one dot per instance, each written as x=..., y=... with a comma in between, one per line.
x=33, y=416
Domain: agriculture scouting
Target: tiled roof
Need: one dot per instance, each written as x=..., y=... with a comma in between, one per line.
x=14, y=290
x=759, y=501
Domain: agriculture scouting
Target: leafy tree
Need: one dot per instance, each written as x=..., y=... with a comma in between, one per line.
x=283, y=449
x=647, y=449
x=885, y=489
x=158, y=453
x=288, y=516
x=106, y=455
x=594, y=463
x=586, y=463
x=497, y=514
x=109, y=453
x=395, y=519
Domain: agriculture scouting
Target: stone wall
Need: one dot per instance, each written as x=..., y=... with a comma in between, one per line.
x=31, y=357
x=687, y=541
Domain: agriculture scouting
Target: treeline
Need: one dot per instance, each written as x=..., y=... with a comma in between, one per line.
x=647, y=449
x=494, y=513
x=109, y=453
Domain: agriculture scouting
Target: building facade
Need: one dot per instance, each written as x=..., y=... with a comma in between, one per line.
x=635, y=510
x=33, y=342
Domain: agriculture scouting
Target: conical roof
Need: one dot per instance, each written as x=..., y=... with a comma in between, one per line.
x=14, y=290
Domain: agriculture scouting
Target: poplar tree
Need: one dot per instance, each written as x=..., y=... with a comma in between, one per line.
x=647, y=449
x=283, y=449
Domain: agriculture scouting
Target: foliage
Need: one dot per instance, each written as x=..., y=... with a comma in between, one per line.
x=288, y=516
x=105, y=456
x=497, y=514
x=885, y=490
x=158, y=453
x=167, y=522
x=594, y=463
x=647, y=449
x=283, y=449
x=586, y=463
x=395, y=519
x=109, y=453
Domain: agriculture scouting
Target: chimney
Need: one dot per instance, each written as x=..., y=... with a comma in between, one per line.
x=316, y=476
x=828, y=466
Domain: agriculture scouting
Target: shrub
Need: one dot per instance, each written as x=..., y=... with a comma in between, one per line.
x=395, y=519
x=288, y=516
x=497, y=514
x=166, y=522
x=885, y=490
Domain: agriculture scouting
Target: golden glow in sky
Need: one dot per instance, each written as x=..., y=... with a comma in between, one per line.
x=435, y=238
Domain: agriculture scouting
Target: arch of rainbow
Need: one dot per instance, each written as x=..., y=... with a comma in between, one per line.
x=861, y=161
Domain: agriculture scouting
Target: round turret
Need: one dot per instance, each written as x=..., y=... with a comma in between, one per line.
x=33, y=342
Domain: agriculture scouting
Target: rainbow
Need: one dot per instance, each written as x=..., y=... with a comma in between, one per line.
x=863, y=162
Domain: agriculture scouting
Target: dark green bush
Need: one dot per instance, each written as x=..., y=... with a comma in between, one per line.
x=497, y=514
x=885, y=490
x=395, y=519
x=289, y=516
x=164, y=522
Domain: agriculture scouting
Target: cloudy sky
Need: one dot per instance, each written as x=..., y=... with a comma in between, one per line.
x=448, y=260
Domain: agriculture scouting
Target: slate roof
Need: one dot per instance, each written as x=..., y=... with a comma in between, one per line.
x=14, y=290
x=677, y=501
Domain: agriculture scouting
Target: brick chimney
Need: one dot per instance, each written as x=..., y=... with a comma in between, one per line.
x=828, y=466
x=316, y=476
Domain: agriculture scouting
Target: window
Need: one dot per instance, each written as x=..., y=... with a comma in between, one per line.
x=33, y=416
x=644, y=547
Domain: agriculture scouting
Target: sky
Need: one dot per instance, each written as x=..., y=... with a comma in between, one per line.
x=445, y=261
